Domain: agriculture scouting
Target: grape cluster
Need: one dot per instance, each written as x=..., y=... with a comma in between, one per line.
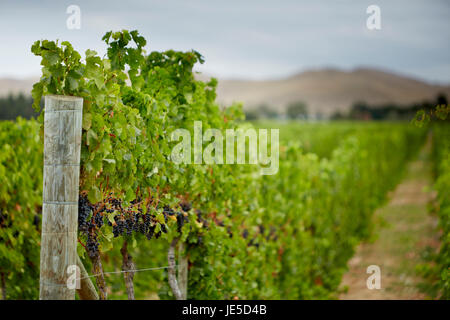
x=92, y=244
x=127, y=220
x=89, y=223
x=4, y=221
x=98, y=219
x=151, y=232
x=253, y=243
x=119, y=226
x=181, y=220
x=261, y=229
x=273, y=233
x=129, y=225
x=136, y=201
x=84, y=210
x=200, y=218
x=167, y=211
x=146, y=227
x=36, y=220
x=2, y=217
x=185, y=206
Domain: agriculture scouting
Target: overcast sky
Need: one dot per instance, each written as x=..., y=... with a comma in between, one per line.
x=253, y=39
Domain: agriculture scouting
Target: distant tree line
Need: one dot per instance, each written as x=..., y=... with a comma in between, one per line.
x=294, y=110
x=13, y=106
x=297, y=110
x=390, y=111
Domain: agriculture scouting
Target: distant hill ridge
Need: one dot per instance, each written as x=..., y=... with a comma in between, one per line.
x=330, y=90
x=323, y=90
x=11, y=85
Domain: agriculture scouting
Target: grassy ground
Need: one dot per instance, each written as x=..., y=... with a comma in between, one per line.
x=406, y=236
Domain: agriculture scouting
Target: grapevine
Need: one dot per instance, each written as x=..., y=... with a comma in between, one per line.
x=249, y=236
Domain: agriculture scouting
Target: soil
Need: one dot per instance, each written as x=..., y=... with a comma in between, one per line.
x=405, y=231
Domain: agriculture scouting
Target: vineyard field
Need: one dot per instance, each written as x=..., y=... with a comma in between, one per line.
x=310, y=196
x=152, y=227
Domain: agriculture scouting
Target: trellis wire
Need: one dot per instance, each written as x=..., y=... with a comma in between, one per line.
x=112, y=272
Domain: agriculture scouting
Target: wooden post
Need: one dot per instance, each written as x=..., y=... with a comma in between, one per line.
x=182, y=270
x=62, y=143
x=87, y=289
x=171, y=273
x=127, y=264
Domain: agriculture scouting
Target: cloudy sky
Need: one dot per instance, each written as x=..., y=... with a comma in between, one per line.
x=253, y=39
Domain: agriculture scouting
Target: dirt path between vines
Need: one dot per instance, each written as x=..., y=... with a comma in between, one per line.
x=405, y=232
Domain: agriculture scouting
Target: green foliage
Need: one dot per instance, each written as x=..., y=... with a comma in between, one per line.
x=320, y=138
x=248, y=236
x=61, y=70
x=294, y=241
x=423, y=117
x=441, y=158
x=20, y=207
x=126, y=149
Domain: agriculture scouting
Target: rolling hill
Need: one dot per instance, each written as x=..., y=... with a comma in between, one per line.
x=324, y=91
x=330, y=90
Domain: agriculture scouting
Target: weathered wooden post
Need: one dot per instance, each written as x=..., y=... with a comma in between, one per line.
x=171, y=273
x=62, y=143
x=182, y=270
x=87, y=289
x=177, y=284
